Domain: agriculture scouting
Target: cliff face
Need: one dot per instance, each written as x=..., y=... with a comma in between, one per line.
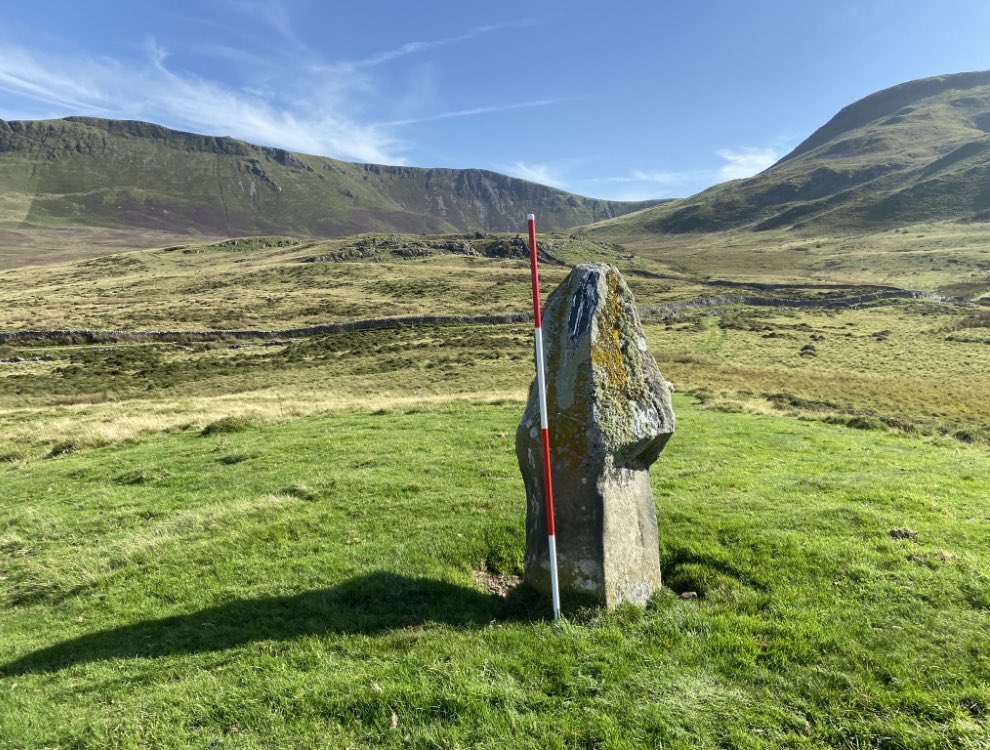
x=119, y=174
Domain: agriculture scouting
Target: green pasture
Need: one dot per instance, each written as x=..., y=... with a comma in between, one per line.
x=324, y=582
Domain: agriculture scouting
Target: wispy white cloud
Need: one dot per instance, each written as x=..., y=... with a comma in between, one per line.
x=636, y=195
x=545, y=174
x=644, y=184
x=738, y=163
x=411, y=48
x=22, y=73
x=299, y=102
x=640, y=176
x=746, y=162
x=152, y=90
x=315, y=129
x=647, y=184
x=473, y=111
x=273, y=14
x=660, y=178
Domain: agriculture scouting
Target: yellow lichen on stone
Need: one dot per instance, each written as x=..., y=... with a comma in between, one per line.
x=606, y=352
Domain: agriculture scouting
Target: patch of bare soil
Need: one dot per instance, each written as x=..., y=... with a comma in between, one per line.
x=496, y=584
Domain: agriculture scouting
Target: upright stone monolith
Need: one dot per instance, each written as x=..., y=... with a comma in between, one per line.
x=610, y=416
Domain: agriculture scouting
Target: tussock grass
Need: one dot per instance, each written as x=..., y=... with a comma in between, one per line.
x=221, y=287
x=903, y=366
x=255, y=288
x=946, y=256
x=93, y=426
x=896, y=367
x=226, y=424
x=26, y=245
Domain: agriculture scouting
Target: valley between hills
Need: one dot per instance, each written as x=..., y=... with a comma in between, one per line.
x=256, y=419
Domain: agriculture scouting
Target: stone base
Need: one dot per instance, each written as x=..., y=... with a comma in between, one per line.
x=607, y=540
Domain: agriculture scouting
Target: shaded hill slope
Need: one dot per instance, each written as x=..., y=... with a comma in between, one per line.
x=118, y=174
x=916, y=152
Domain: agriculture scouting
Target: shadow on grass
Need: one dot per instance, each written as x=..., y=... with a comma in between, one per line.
x=365, y=605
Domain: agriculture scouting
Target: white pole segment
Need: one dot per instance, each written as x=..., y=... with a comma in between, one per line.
x=541, y=380
x=555, y=587
x=541, y=387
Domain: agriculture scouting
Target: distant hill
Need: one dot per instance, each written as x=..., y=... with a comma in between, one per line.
x=913, y=153
x=122, y=174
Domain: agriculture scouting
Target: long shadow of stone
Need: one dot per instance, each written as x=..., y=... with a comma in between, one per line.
x=368, y=604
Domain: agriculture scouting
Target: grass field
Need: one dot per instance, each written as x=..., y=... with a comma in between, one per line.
x=314, y=541
x=281, y=585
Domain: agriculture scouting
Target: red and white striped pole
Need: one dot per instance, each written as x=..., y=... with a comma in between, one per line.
x=541, y=386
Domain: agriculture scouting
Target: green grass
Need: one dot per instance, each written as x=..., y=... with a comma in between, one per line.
x=299, y=543
x=313, y=593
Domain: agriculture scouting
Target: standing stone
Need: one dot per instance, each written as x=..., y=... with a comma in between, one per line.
x=610, y=416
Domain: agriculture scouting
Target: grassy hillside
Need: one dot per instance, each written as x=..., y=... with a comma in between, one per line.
x=115, y=174
x=918, y=152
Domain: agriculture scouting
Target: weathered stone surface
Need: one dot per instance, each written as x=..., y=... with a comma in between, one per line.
x=610, y=416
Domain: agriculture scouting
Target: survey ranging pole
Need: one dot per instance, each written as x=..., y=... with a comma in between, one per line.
x=541, y=386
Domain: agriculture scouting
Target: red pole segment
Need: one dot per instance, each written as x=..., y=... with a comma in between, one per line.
x=544, y=424
x=534, y=271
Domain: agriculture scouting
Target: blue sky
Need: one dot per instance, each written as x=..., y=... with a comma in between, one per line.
x=623, y=100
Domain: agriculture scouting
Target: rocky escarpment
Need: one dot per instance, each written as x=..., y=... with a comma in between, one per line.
x=119, y=174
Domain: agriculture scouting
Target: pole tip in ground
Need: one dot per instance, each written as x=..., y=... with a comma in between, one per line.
x=530, y=217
